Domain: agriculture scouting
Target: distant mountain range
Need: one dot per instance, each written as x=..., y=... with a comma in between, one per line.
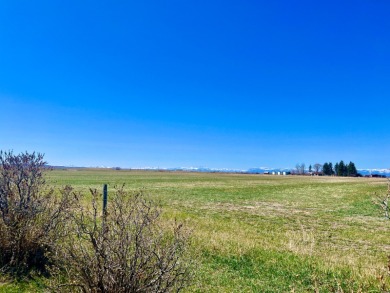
x=258, y=170
x=385, y=172
x=262, y=170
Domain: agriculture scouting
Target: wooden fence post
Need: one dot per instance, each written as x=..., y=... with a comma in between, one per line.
x=104, y=204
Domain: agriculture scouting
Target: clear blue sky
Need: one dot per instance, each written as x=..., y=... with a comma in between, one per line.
x=221, y=84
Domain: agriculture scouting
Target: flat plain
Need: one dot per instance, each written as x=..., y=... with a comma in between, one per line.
x=263, y=233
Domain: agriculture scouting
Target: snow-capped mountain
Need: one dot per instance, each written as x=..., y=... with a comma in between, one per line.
x=375, y=171
x=256, y=170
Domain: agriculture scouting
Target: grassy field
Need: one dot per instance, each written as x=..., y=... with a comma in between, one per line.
x=259, y=233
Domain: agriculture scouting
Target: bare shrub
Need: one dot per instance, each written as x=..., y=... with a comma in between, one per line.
x=128, y=252
x=31, y=216
x=383, y=201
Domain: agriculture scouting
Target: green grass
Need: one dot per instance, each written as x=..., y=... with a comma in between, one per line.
x=256, y=233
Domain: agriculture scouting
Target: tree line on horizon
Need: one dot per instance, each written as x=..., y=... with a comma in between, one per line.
x=339, y=169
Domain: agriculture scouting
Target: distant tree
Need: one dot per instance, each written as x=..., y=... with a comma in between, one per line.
x=326, y=169
x=317, y=168
x=336, y=169
x=331, y=171
x=298, y=168
x=310, y=168
x=351, y=169
x=341, y=171
x=345, y=170
x=303, y=168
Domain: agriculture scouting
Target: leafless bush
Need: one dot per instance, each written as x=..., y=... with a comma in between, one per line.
x=383, y=201
x=128, y=251
x=30, y=215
